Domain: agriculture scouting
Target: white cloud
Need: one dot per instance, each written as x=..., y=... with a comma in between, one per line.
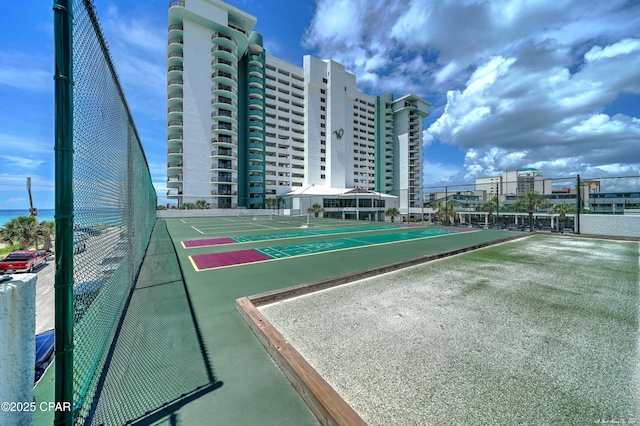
x=441, y=173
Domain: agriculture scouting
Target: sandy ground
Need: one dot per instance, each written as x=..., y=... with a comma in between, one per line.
x=489, y=337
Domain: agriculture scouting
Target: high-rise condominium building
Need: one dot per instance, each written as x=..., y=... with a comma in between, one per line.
x=243, y=126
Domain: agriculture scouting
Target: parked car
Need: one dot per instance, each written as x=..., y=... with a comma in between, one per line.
x=512, y=227
x=79, y=244
x=89, y=230
x=44, y=353
x=84, y=294
x=567, y=230
x=113, y=261
x=546, y=229
x=22, y=261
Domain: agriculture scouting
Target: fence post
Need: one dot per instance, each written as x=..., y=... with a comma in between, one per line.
x=63, y=30
x=578, y=204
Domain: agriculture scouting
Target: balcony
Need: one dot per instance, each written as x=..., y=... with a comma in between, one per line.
x=224, y=153
x=177, y=69
x=174, y=137
x=223, y=192
x=175, y=29
x=225, y=40
x=224, y=128
x=174, y=181
x=218, y=101
x=224, y=166
x=224, y=179
x=175, y=83
x=175, y=111
x=175, y=57
x=224, y=141
x=174, y=164
x=173, y=192
x=174, y=151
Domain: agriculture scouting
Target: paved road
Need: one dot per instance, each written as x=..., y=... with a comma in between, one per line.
x=45, y=311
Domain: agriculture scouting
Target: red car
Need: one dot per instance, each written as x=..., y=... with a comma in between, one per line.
x=22, y=261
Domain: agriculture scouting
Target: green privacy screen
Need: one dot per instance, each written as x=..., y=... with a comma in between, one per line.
x=113, y=204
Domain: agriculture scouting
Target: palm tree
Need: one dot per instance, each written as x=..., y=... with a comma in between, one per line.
x=447, y=211
x=530, y=203
x=201, y=205
x=188, y=206
x=21, y=229
x=490, y=207
x=563, y=209
x=316, y=209
x=279, y=202
x=392, y=212
x=269, y=203
x=46, y=229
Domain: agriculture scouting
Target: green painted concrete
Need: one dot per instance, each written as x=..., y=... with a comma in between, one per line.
x=185, y=356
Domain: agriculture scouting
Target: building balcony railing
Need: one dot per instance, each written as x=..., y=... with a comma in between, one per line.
x=225, y=192
x=224, y=166
x=224, y=179
x=173, y=192
x=175, y=136
x=175, y=81
x=174, y=3
x=176, y=108
x=223, y=100
x=175, y=164
x=224, y=87
x=175, y=68
x=223, y=140
x=224, y=153
x=224, y=74
x=219, y=48
x=176, y=54
x=174, y=151
x=224, y=126
x=175, y=95
x=175, y=27
x=174, y=178
x=175, y=40
x=221, y=113
x=216, y=35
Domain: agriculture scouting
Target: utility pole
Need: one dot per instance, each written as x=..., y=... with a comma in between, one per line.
x=32, y=210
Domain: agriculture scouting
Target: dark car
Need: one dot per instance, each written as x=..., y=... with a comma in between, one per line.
x=44, y=353
x=83, y=296
x=89, y=230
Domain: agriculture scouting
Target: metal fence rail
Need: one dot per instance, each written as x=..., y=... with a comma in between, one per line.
x=105, y=205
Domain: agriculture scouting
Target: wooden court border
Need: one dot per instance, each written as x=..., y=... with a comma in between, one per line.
x=325, y=403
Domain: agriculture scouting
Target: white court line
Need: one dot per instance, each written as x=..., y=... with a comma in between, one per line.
x=281, y=252
x=266, y=226
x=197, y=230
x=182, y=220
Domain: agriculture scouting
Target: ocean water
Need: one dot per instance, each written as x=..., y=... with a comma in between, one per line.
x=7, y=215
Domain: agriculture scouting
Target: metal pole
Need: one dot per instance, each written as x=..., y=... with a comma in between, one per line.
x=578, y=203
x=446, y=204
x=63, y=29
x=497, y=203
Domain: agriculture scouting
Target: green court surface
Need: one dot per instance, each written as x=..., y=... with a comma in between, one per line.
x=183, y=354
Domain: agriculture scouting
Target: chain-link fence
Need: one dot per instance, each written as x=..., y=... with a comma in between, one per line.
x=113, y=199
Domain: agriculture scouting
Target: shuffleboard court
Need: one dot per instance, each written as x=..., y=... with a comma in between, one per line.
x=541, y=331
x=207, y=242
x=204, y=262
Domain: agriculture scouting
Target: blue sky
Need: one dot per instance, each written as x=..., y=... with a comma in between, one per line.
x=551, y=84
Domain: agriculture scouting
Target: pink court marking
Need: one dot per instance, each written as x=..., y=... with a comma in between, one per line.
x=209, y=242
x=216, y=260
